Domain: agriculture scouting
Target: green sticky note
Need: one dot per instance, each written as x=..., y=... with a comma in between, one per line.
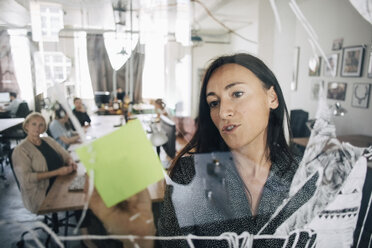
x=124, y=163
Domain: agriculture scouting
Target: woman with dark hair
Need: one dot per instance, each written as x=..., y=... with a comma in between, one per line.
x=207, y=137
x=241, y=111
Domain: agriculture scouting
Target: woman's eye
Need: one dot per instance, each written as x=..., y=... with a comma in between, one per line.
x=213, y=104
x=238, y=93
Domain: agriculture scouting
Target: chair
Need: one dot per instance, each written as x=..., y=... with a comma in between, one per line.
x=14, y=133
x=22, y=110
x=4, y=150
x=51, y=221
x=298, y=119
x=169, y=128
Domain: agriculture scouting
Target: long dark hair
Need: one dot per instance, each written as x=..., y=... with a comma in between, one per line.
x=207, y=137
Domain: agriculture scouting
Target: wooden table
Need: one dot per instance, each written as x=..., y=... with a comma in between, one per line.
x=60, y=199
x=355, y=140
x=7, y=123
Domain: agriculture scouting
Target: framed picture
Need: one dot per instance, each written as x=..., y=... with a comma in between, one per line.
x=352, y=61
x=336, y=91
x=314, y=66
x=331, y=69
x=337, y=44
x=370, y=65
x=361, y=93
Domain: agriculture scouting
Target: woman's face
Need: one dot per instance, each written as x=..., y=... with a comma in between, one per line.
x=240, y=106
x=35, y=127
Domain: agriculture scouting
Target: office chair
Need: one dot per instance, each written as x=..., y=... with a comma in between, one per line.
x=22, y=110
x=50, y=221
x=298, y=119
x=4, y=150
x=299, y=128
x=169, y=128
x=14, y=133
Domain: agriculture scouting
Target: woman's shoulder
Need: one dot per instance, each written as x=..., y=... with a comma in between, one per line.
x=24, y=144
x=25, y=147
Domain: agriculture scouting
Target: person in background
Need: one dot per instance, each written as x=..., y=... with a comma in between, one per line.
x=13, y=105
x=120, y=94
x=161, y=109
x=38, y=161
x=80, y=112
x=59, y=132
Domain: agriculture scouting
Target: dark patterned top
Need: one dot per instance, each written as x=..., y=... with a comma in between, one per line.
x=210, y=219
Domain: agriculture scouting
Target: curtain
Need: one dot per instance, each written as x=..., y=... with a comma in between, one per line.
x=101, y=71
x=138, y=60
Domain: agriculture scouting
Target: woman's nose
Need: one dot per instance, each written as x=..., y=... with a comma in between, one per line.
x=226, y=109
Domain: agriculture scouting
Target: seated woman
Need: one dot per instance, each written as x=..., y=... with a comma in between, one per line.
x=38, y=161
x=59, y=131
x=81, y=113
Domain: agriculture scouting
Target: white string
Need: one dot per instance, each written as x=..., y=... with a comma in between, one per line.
x=303, y=19
x=32, y=232
x=189, y=240
x=309, y=29
x=51, y=233
x=231, y=238
x=276, y=15
x=86, y=203
x=135, y=216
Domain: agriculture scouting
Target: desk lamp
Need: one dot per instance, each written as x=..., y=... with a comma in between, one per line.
x=338, y=110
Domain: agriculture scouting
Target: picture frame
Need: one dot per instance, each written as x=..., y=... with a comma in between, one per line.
x=333, y=62
x=352, y=61
x=314, y=66
x=369, y=69
x=337, y=44
x=361, y=93
x=336, y=91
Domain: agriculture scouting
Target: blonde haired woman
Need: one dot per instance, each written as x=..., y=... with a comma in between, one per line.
x=38, y=161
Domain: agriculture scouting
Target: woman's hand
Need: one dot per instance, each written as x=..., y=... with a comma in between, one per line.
x=130, y=217
x=65, y=170
x=72, y=163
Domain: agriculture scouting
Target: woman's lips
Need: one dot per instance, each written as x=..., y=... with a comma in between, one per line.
x=229, y=128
